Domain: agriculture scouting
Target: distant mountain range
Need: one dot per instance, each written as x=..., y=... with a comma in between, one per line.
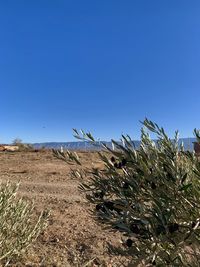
x=82, y=145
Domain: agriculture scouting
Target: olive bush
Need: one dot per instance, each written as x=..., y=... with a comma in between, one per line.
x=19, y=226
x=150, y=194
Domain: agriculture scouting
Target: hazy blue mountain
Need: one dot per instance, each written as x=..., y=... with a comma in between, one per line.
x=81, y=145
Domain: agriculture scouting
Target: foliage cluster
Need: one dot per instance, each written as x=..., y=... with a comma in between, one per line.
x=150, y=194
x=19, y=226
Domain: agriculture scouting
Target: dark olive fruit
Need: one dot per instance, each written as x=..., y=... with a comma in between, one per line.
x=109, y=205
x=106, y=205
x=129, y=242
x=100, y=207
x=169, y=176
x=99, y=194
x=134, y=228
x=112, y=159
x=132, y=206
x=193, y=224
x=125, y=185
x=160, y=230
x=119, y=165
x=96, y=195
x=116, y=165
x=139, y=171
x=173, y=227
x=124, y=161
x=153, y=186
x=165, y=168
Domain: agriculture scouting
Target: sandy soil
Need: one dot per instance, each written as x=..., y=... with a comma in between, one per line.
x=72, y=238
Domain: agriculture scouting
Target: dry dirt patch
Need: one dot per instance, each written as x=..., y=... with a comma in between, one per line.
x=73, y=237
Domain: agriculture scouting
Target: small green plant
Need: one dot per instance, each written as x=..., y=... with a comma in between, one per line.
x=150, y=194
x=19, y=226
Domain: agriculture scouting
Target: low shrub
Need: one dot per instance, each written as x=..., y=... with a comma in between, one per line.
x=22, y=147
x=150, y=194
x=19, y=226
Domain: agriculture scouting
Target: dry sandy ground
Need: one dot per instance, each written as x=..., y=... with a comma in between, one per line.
x=73, y=237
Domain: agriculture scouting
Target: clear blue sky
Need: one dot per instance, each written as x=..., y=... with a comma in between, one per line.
x=98, y=65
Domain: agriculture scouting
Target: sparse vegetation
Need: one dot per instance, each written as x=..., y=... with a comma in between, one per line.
x=19, y=226
x=17, y=141
x=22, y=146
x=151, y=195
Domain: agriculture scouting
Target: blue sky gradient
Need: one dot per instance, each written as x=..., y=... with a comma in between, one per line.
x=98, y=65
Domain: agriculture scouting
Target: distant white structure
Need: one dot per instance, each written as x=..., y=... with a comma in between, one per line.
x=61, y=149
